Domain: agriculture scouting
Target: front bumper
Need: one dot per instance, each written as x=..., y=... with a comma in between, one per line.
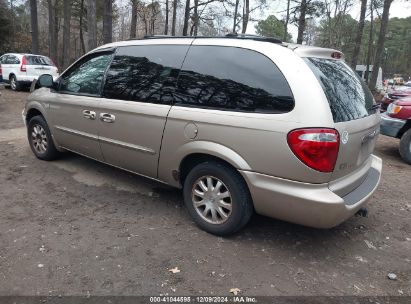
x=313, y=205
x=391, y=126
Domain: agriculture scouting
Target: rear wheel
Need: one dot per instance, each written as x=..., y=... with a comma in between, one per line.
x=217, y=198
x=40, y=140
x=14, y=84
x=405, y=146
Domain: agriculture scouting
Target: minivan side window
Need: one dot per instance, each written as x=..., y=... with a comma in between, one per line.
x=145, y=73
x=86, y=76
x=230, y=78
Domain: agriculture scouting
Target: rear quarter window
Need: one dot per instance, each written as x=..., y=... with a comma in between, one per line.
x=38, y=60
x=348, y=96
x=234, y=79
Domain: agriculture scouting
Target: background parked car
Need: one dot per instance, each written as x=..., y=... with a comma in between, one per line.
x=396, y=122
x=19, y=70
x=394, y=94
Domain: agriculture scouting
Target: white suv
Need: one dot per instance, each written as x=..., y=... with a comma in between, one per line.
x=20, y=70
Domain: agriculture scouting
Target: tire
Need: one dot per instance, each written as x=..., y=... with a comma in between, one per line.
x=405, y=146
x=40, y=140
x=226, y=179
x=14, y=84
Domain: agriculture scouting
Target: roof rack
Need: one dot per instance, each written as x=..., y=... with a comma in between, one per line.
x=231, y=36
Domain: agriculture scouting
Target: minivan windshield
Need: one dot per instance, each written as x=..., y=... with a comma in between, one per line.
x=348, y=96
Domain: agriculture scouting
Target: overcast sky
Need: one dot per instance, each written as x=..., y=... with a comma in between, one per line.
x=399, y=8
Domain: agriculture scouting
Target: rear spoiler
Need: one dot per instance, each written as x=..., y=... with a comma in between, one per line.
x=313, y=51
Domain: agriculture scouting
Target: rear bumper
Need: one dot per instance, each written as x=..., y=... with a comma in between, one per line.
x=313, y=205
x=391, y=126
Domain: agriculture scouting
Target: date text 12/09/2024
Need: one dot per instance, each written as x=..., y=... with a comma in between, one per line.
x=203, y=299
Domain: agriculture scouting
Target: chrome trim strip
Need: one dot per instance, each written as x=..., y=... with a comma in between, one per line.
x=75, y=132
x=127, y=145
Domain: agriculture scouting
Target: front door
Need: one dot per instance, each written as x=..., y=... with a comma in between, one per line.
x=74, y=105
x=138, y=94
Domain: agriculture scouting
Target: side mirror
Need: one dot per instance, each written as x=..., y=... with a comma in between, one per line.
x=45, y=81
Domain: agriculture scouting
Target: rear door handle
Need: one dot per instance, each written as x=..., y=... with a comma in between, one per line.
x=107, y=117
x=89, y=114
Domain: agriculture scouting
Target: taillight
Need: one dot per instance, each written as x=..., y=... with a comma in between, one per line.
x=317, y=148
x=23, y=64
x=1, y=72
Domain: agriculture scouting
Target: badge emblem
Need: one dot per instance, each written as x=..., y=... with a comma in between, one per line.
x=344, y=137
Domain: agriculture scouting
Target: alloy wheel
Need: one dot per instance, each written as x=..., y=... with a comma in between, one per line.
x=212, y=199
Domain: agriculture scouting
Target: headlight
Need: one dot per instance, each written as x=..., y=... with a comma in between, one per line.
x=393, y=109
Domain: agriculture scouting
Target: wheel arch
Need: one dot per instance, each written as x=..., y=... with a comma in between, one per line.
x=199, y=152
x=405, y=128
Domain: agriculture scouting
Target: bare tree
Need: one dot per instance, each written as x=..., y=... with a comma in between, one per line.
x=370, y=42
x=186, y=18
x=66, y=32
x=287, y=19
x=380, y=43
x=358, y=38
x=108, y=21
x=246, y=15
x=166, y=22
x=34, y=27
x=173, y=25
x=82, y=45
x=237, y=2
x=91, y=24
x=301, y=21
x=53, y=31
x=133, y=26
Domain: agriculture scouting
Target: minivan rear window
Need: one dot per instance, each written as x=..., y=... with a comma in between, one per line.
x=348, y=96
x=38, y=60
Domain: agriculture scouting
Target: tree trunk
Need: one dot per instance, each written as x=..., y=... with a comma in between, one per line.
x=133, y=28
x=34, y=27
x=246, y=15
x=301, y=21
x=370, y=43
x=380, y=43
x=173, y=25
x=196, y=18
x=287, y=19
x=237, y=2
x=166, y=22
x=108, y=21
x=91, y=24
x=52, y=30
x=83, y=46
x=358, y=39
x=66, y=33
x=186, y=18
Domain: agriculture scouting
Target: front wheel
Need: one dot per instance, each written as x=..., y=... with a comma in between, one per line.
x=405, y=146
x=217, y=198
x=40, y=140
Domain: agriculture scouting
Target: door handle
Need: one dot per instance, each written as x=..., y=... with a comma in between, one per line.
x=89, y=114
x=107, y=117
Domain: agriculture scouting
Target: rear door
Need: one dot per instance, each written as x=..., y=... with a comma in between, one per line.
x=354, y=114
x=138, y=95
x=39, y=65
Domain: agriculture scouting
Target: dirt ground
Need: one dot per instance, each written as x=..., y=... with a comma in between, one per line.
x=77, y=227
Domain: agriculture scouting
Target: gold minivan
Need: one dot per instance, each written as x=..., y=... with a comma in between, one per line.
x=242, y=124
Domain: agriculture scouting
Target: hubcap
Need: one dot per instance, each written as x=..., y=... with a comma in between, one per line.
x=39, y=139
x=212, y=199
